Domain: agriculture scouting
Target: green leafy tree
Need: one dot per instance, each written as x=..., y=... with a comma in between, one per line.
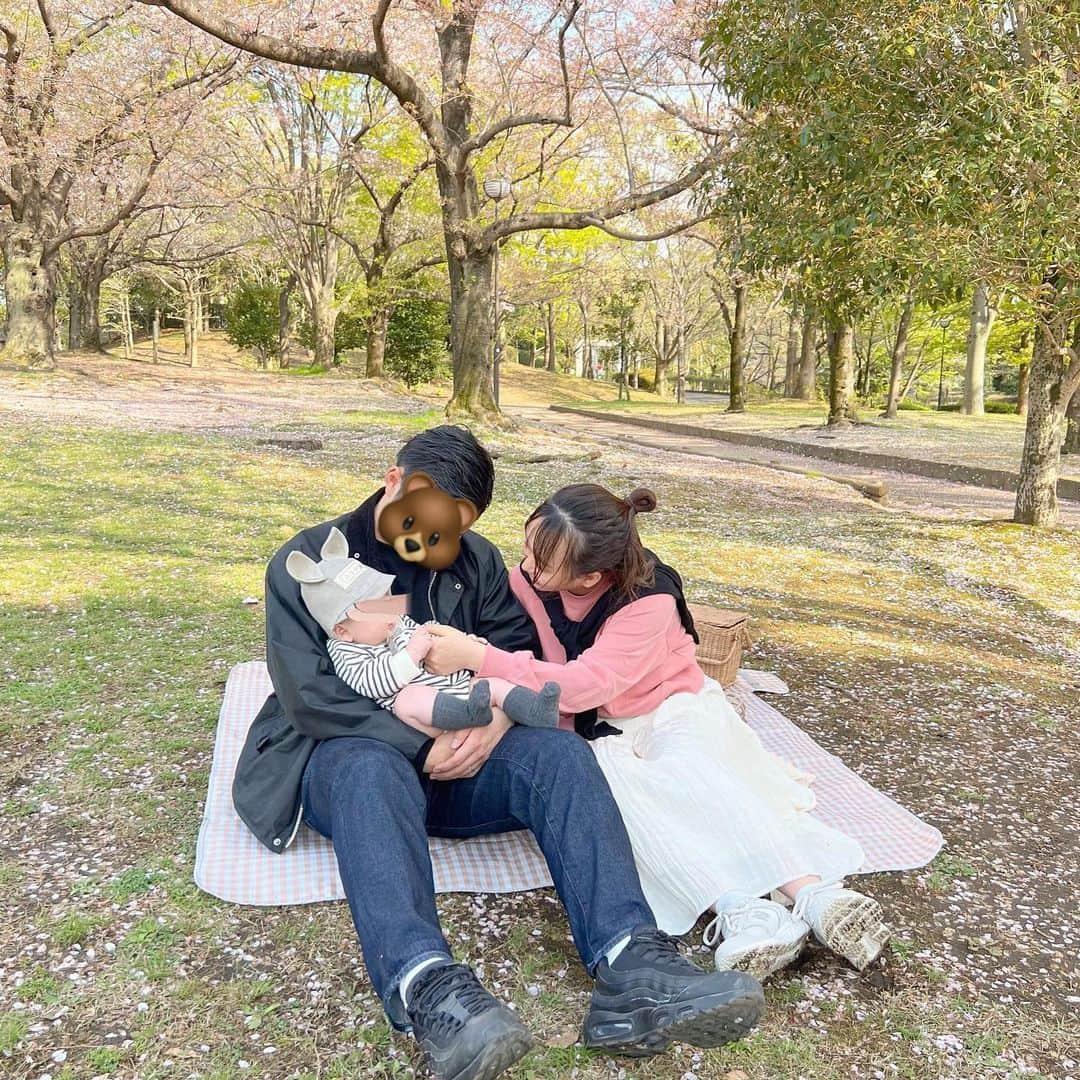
x=251, y=320
x=905, y=138
x=416, y=338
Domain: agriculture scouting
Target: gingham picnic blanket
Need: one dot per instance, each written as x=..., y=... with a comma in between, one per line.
x=232, y=865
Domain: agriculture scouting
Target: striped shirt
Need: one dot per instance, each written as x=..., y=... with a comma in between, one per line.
x=381, y=672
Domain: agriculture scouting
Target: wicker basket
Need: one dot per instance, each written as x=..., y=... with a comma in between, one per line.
x=724, y=636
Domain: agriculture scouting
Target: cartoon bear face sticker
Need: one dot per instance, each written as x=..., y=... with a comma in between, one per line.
x=424, y=524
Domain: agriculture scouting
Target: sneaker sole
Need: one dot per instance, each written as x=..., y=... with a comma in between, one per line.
x=704, y=1022
x=856, y=930
x=763, y=960
x=496, y=1056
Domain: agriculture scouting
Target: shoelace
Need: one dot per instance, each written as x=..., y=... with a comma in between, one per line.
x=432, y=989
x=721, y=925
x=654, y=944
x=807, y=893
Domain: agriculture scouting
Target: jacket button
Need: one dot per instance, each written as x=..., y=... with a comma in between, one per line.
x=457, y=584
x=277, y=841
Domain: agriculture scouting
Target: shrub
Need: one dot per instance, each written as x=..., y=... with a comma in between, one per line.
x=911, y=405
x=416, y=339
x=251, y=320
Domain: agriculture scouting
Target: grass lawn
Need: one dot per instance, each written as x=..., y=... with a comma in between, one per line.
x=939, y=659
x=991, y=441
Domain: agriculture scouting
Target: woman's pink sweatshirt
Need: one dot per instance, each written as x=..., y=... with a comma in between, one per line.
x=641, y=656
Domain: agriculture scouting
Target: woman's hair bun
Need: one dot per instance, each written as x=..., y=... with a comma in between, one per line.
x=641, y=500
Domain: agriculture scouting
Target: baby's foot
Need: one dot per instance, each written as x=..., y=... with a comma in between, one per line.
x=531, y=708
x=451, y=713
x=480, y=703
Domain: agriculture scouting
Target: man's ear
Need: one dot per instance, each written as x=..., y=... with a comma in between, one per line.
x=392, y=480
x=467, y=512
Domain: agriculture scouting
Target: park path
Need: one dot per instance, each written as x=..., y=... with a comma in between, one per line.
x=904, y=491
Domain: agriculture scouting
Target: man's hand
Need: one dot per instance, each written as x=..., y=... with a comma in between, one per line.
x=472, y=748
x=452, y=651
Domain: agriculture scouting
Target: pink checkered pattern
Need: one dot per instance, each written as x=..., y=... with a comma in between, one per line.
x=232, y=865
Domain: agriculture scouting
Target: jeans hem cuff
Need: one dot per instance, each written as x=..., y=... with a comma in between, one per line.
x=393, y=1004
x=605, y=949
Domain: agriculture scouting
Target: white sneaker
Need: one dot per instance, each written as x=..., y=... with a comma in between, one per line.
x=760, y=937
x=844, y=921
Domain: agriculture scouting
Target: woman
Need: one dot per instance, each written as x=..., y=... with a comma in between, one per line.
x=714, y=819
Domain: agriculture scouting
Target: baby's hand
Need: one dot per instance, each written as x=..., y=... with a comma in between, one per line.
x=419, y=644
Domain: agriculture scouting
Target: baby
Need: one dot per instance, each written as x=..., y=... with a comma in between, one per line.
x=379, y=651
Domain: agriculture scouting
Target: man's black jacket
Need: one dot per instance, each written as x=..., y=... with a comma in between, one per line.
x=311, y=703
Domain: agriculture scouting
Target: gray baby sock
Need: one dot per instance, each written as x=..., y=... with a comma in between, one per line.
x=452, y=714
x=531, y=708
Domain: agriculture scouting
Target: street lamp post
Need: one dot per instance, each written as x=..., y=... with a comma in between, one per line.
x=497, y=188
x=944, y=324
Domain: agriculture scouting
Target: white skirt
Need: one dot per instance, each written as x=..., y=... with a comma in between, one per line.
x=709, y=810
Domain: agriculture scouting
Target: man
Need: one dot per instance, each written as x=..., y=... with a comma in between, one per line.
x=319, y=753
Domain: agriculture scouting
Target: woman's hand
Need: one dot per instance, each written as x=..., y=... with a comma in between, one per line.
x=452, y=650
x=472, y=748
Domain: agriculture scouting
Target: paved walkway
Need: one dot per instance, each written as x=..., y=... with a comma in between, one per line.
x=914, y=494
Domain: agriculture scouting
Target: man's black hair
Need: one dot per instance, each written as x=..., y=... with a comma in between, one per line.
x=452, y=457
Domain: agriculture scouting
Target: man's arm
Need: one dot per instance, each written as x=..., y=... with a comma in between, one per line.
x=315, y=701
x=501, y=618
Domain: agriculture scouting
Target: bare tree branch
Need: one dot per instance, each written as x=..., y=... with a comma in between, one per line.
x=375, y=64
x=582, y=219
x=660, y=234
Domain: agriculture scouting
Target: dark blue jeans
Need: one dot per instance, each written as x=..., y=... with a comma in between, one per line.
x=370, y=801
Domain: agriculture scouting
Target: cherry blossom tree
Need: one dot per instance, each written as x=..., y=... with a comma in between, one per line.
x=519, y=88
x=93, y=96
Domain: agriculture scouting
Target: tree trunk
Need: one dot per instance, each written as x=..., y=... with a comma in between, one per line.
x=75, y=312
x=1051, y=389
x=663, y=357
x=586, y=342
x=791, y=359
x=737, y=345
x=680, y=371
x=982, y=321
x=470, y=339
x=377, y=323
x=549, y=335
x=899, y=355
x=806, y=389
x=323, y=319
x=1022, y=376
x=155, y=333
x=285, y=321
x=30, y=289
x=189, y=316
x=841, y=373
x=125, y=324
x=1072, y=426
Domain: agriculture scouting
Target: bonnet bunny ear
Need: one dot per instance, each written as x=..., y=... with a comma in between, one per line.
x=303, y=568
x=335, y=546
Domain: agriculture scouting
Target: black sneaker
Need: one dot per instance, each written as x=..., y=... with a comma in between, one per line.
x=465, y=1032
x=652, y=996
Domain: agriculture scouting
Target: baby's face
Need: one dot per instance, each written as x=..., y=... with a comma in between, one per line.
x=365, y=627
